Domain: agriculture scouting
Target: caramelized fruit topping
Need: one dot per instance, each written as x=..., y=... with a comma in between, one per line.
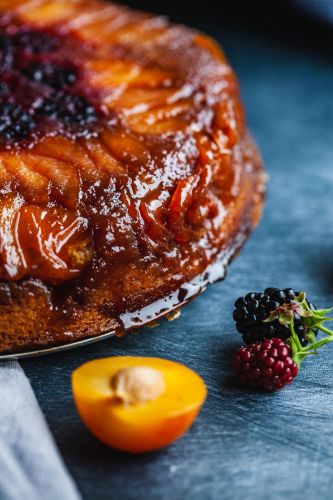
x=15, y=123
x=69, y=109
x=100, y=133
x=53, y=75
x=6, y=53
x=53, y=245
x=35, y=42
x=39, y=82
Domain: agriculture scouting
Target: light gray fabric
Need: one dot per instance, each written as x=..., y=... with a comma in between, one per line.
x=31, y=466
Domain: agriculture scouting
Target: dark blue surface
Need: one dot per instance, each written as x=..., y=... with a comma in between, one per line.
x=322, y=9
x=244, y=444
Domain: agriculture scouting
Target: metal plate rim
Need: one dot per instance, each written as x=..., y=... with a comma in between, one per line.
x=57, y=348
x=198, y=288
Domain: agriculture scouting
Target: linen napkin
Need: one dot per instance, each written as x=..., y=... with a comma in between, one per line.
x=31, y=467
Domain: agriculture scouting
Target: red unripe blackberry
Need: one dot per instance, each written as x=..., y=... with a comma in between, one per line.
x=268, y=364
x=251, y=311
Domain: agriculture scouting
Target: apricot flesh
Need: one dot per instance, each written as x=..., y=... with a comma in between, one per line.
x=139, y=427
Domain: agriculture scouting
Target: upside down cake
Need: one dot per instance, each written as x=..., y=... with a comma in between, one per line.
x=126, y=168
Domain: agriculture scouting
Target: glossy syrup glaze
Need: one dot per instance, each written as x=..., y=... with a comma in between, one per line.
x=125, y=165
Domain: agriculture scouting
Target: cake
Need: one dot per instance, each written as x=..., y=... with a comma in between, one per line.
x=127, y=173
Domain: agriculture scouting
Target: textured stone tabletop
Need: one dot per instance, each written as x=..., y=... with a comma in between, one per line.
x=244, y=444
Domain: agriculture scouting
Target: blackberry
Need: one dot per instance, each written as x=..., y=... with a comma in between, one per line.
x=251, y=311
x=15, y=123
x=35, y=42
x=268, y=364
x=4, y=88
x=48, y=73
x=70, y=109
x=6, y=53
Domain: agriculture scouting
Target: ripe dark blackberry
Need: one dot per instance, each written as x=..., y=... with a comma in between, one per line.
x=268, y=364
x=6, y=53
x=72, y=110
x=15, y=123
x=251, y=311
x=35, y=42
x=4, y=88
x=48, y=73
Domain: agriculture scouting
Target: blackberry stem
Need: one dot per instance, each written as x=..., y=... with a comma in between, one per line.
x=319, y=343
x=325, y=330
x=299, y=352
x=295, y=337
x=312, y=320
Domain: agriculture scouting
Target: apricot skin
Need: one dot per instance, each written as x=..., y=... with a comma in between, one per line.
x=143, y=427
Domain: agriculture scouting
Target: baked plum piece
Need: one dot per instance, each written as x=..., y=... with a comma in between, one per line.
x=126, y=168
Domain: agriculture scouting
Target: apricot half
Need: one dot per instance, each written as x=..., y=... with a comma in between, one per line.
x=137, y=404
